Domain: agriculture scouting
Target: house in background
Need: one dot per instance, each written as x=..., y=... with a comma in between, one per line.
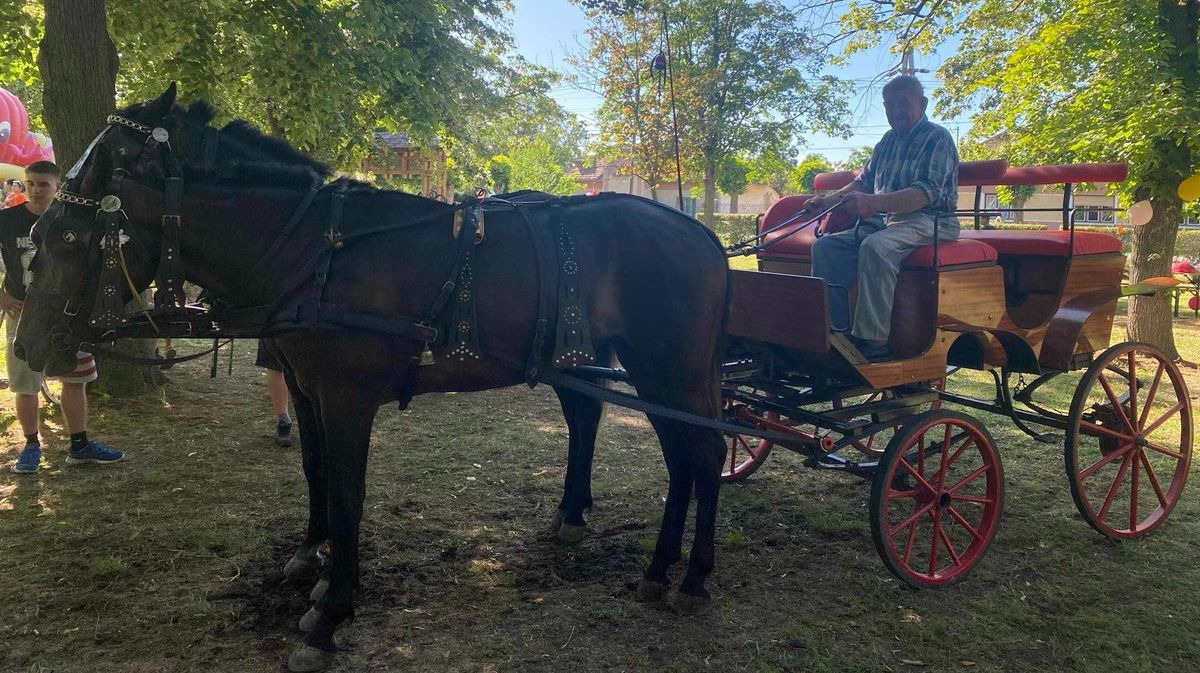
x=1093, y=207
x=607, y=176
x=397, y=158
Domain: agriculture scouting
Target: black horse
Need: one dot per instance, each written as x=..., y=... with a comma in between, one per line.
x=351, y=282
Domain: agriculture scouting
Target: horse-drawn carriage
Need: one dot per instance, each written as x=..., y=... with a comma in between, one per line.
x=1010, y=303
x=370, y=296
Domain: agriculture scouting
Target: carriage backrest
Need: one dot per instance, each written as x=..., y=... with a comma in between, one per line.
x=970, y=173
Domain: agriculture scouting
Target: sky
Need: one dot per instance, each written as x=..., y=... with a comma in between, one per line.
x=548, y=30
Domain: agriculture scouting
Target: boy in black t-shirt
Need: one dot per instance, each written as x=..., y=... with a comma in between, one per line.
x=41, y=179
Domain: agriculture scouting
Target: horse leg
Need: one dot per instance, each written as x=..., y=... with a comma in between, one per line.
x=583, y=415
x=667, y=550
x=707, y=451
x=346, y=423
x=305, y=561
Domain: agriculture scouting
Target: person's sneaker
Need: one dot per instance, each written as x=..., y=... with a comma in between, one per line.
x=94, y=452
x=30, y=460
x=283, y=434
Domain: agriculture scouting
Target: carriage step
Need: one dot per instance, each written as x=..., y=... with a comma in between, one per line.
x=892, y=405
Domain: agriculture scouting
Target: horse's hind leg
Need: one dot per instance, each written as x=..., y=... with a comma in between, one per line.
x=583, y=415
x=668, y=549
x=305, y=561
x=706, y=452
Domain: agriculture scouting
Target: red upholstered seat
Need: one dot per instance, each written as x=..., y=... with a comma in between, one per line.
x=1048, y=243
x=951, y=254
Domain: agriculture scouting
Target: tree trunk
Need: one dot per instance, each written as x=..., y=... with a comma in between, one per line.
x=733, y=203
x=1150, y=256
x=710, y=191
x=78, y=63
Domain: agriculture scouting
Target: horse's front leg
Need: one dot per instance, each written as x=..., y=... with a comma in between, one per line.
x=583, y=419
x=346, y=421
x=306, y=561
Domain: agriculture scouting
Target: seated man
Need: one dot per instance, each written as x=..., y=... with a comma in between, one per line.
x=912, y=176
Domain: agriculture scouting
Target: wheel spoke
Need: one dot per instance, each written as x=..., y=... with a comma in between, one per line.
x=1119, y=453
x=900, y=495
x=1120, y=408
x=910, y=520
x=1150, y=395
x=1162, y=419
x=949, y=547
x=941, y=479
x=968, y=479
x=908, y=544
x=962, y=521
x=1133, y=491
x=1132, y=386
x=1116, y=485
x=1162, y=500
x=1100, y=429
x=966, y=443
x=916, y=475
x=971, y=498
x=933, y=544
x=1164, y=451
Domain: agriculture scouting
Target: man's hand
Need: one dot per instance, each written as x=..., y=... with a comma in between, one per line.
x=860, y=204
x=10, y=305
x=818, y=203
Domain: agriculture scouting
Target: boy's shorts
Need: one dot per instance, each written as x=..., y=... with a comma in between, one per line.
x=24, y=381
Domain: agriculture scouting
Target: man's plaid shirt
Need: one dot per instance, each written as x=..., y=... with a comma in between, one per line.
x=925, y=157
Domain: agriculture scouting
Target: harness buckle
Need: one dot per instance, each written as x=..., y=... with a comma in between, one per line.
x=172, y=220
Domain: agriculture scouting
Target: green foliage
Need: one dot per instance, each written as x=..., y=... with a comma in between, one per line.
x=801, y=180
x=1015, y=195
x=857, y=159
x=773, y=166
x=499, y=169
x=324, y=75
x=747, y=78
x=733, y=175
x=536, y=163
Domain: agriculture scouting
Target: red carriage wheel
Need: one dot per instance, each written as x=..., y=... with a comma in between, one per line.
x=935, y=498
x=1129, y=440
x=745, y=454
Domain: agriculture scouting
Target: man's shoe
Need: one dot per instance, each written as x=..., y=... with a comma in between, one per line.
x=283, y=434
x=30, y=460
x=96, y=453
x=874, y=352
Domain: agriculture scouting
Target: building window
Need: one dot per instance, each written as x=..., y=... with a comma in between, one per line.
x=1094, y=215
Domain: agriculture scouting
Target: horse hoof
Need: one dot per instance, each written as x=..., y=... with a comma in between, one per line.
x=568, y=534
x=318, y=592
x=556, y=522
x=309, y=620
x=688, y=605
x=303, y=562
x=306, y=658
x=649, y=591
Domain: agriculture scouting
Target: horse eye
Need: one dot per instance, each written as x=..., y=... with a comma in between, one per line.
x=69, y=236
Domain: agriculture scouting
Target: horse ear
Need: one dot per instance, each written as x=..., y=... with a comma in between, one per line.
x=165, y=102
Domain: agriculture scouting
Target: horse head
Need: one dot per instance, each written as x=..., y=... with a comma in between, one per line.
x=64, y=306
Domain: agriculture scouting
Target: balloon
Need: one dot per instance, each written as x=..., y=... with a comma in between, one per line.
x=1189, y=190
x=1183, y=266
x=1140, y=213
x=1194, y=303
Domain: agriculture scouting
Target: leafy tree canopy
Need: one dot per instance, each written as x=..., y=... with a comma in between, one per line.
x=803, y=175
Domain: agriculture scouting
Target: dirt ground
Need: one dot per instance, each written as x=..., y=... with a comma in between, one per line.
x=171, y=561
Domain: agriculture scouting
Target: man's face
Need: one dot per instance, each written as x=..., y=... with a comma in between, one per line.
x=904, y=108
x=40, y=188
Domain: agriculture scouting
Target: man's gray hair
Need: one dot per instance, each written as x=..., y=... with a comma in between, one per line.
x=905, y=83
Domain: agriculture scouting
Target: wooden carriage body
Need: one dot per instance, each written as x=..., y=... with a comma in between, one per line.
x=1026, y=301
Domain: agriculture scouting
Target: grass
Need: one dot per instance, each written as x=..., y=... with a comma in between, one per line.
x=170, y=561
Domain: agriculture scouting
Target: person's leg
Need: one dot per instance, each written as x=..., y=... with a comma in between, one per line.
x=277, y=389
x=25, y=384
x=879, y=263
x=75, y=412
x=279, y=393
x=835, y=259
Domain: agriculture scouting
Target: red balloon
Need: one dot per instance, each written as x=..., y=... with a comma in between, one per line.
x=1194, y=302
x=1183, y=267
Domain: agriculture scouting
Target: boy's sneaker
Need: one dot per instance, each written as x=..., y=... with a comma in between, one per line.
x=30, y=460
x=283, y=434
x=94, y=452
